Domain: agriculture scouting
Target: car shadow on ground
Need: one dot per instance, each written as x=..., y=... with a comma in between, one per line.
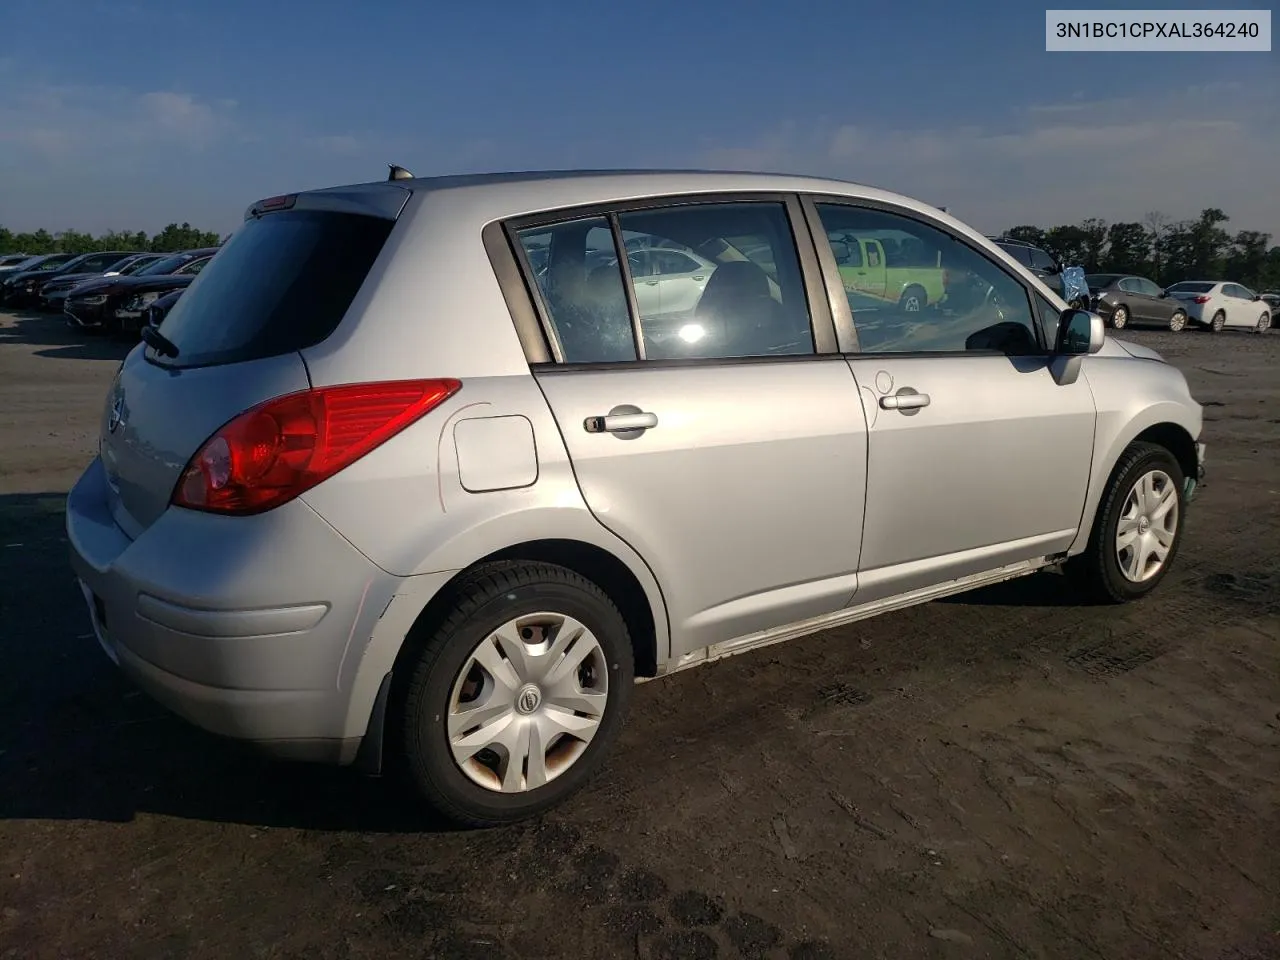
x=79, y=742
x=63, y=342
x=1047, y=589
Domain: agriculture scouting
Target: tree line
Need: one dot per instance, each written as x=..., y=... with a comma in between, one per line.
x=172, y=238
x=1164, y=250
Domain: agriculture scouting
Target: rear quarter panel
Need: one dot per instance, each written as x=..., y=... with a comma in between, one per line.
x=1131, y=395
x=432, y=307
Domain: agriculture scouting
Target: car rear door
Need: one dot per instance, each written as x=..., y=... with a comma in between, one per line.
x=729, y=451
x=977, y=457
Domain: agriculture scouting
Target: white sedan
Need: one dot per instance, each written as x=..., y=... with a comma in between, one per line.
x=1216, y=304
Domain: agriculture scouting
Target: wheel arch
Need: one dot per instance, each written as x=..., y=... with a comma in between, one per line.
x=1168, y=424
x=589, y=561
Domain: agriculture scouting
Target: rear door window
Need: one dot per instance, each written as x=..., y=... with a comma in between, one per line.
x=281, y=283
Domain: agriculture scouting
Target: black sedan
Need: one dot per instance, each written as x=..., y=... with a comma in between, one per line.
x=1122, y=299
x=20, y=285
x=154, y=315
x=116, y=303
x=26, y=291
x=53, y=292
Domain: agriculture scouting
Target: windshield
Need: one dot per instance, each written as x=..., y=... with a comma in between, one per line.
x=281, y=283
x=141, y=263
x=1191, y=286
x=167, y=265
x=54, y=261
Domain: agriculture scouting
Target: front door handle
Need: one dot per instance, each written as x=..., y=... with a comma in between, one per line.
x=621, y=422
x=905, y=401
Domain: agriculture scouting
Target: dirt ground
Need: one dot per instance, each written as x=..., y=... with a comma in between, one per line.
x=1004, y=774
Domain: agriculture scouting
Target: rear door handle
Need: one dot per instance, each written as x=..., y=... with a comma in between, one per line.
x=905, y=401
x=621, y=422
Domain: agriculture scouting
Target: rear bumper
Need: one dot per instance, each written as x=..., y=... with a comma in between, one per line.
x=249, y=627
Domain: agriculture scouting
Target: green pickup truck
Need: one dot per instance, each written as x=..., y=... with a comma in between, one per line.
x=894, y=269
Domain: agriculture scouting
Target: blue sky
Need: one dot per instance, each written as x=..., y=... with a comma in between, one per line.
x=132, y=114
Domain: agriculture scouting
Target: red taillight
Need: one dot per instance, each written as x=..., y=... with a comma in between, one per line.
x=278, y=203
x=273, y=452
x=1202, y=299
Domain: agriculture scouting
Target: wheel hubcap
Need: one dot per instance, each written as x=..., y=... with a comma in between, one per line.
x=1147, y=527
x=1119, y=318
x=526, y=703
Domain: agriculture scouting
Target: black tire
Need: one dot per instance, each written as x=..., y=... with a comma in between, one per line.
x=1178, y=322
x=1096, y=571
x=1263, y=324
x=1218, y=322
x=1120, y=317
x=482, y=601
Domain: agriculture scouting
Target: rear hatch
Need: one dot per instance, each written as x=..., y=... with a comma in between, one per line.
x=281, y=283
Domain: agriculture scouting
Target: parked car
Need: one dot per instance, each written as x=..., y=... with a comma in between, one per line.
x=1122, y=299
x=101, y=304
x=1036, y=259
x=11, y=261
x=1216, y=305
x=159, y=308
x=371, y=491
x=1272, y=299
x=53, y=293
x=86, y=264
x=130, y=316
x=20, y=284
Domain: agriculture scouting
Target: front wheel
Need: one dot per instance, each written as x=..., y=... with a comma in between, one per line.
x=1178, y=322
x=513, y=702
x=1264, y=323
x=1137, y=529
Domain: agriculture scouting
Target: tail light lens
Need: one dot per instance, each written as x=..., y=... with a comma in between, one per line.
x=275, y=451
x=1202, y=299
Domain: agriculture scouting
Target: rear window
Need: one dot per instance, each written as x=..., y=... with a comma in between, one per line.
x=1191, y=286
x=281, y=283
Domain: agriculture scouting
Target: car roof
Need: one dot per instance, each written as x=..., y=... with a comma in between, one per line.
x=502, y=195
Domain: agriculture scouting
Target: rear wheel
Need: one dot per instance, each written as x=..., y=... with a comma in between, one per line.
x=1218, y=322
x=1178, y=322
x=913, y=299
x=513, y=702
x=1137, y=528
x=1120, y=318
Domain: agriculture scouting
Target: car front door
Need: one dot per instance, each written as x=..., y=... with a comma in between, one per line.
x=977, y=456
x=731, y=456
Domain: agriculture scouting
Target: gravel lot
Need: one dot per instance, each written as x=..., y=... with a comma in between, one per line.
x=1003, y=774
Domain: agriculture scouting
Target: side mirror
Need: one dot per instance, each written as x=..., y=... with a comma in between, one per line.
x=1257, y=296
x=840, y=250
x=1080, y=332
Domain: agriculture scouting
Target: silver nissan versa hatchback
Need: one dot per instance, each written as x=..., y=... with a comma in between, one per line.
x=421, y=475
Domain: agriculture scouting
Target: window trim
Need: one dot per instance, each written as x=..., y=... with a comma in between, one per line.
x=838, y=303
x=532, y=321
